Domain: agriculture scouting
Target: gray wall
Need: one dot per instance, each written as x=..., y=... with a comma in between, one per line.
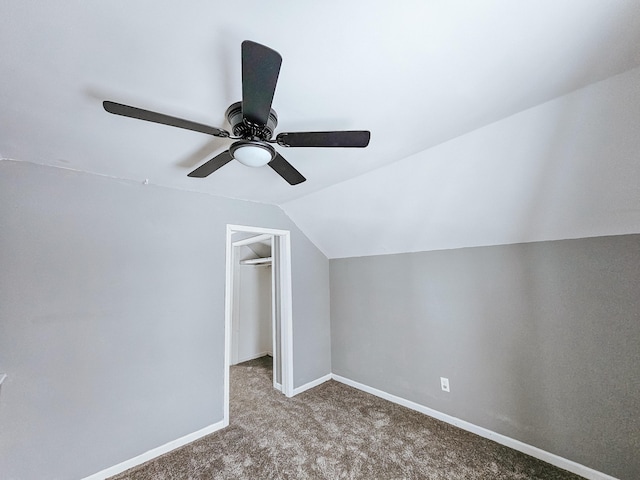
x=540, y=341
x=112, y=316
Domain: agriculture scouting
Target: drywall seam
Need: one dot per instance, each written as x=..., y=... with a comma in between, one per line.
x=525, y=448
x=146, y=182
x=136, y=181
x=155, y=452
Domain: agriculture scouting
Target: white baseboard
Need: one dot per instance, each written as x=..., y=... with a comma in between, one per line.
x=536, y=452
x=313, y=383
x=155, y=452
x=252, y=357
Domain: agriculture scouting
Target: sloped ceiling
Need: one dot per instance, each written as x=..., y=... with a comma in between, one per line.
x=417, y=74
x=569, y=168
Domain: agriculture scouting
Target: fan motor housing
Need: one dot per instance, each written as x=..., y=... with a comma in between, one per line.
x=245, y=129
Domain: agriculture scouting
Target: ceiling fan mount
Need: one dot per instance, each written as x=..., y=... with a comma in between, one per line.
x=252, y=121
x=243, y=128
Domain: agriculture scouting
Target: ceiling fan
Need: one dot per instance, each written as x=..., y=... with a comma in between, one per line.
x=252, y=121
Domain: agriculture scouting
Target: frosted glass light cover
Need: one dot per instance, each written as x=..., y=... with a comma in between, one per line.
x=252, y=156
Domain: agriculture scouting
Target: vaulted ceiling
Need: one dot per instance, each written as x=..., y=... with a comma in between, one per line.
x=450, y=91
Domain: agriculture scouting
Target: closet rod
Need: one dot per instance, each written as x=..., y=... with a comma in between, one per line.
x=256, y=261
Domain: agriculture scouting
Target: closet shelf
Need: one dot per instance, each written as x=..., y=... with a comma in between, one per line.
x=256, y=261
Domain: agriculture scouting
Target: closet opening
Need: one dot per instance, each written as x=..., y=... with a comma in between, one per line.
x=258, y=317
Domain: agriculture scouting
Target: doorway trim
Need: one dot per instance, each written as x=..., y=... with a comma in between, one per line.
x=281, y=261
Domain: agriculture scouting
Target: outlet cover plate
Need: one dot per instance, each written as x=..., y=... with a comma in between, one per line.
x=444, y=384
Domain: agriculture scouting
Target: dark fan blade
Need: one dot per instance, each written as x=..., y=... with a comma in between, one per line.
x=140, y=114
x=356, y=138
x=260, y=69
x=286, y=170
x=212, y=165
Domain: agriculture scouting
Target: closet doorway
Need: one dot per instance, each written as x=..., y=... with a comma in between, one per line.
x=258, y=302
x=252, y=316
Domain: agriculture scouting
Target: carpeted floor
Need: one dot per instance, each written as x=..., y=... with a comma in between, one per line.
x=334, y=432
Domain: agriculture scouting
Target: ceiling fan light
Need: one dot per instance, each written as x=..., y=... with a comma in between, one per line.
x=252, y=154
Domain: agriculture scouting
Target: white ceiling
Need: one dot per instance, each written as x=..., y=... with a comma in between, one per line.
x=415, y=73
x=568, y=168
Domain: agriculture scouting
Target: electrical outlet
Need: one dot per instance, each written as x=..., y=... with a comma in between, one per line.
x=444, y=384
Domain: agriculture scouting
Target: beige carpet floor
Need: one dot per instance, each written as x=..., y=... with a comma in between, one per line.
x=334, y=432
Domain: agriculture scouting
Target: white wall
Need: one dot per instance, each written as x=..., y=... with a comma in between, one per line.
x=565, y=169
x=252, y=322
